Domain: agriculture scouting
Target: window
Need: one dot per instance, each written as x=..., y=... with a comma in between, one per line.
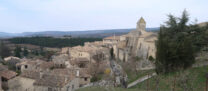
x=18, y=68
x=49, y=89
x=26, y=66
x=82, y=65
x=85, y=78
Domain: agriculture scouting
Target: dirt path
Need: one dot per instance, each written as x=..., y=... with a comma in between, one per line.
x=141, y=80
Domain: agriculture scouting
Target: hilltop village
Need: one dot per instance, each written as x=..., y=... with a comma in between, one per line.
x=82, y=66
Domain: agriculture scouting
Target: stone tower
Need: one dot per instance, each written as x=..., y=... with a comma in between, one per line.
x=141, y=25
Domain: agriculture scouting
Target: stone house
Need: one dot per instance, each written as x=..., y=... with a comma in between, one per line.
x=94, y=44
x=28, y=64
x=2, y=67
x=12, y=61
x=84, y=77
x=80, y=62
x=6, y=75
x=60, y=60
x=108, y=41
x=81, y=74
x=44, y=81
x=82, y=52
x=51, y=82
x=25, y=81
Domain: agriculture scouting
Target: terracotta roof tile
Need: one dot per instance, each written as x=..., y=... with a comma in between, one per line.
x=8, y=74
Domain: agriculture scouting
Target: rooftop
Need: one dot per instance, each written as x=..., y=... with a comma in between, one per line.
x=8, y=74
x=112, y=38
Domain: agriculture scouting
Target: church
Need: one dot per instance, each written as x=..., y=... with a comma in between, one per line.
x=137, y=43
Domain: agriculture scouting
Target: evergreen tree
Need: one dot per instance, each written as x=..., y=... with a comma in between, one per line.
x=25, y=52
x=174, y=48
x=42, y=53
x=111, y=53
x=36, y=53
x=17, y=51
x=4, y=50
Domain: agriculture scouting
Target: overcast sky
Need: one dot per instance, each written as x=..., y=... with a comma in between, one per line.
x=73, y=15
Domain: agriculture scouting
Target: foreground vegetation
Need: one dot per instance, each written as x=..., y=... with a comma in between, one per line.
x=178, y=43
x=106, y=89
x=192, y=79
x=52, y=42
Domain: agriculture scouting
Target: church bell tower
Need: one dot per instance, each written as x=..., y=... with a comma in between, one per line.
x=141, y=25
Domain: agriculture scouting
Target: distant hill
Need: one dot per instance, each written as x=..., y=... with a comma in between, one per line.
x=88, y=33
x=5, y=35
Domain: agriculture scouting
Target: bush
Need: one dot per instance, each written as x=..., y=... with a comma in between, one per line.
x=151, y=58
x=107, y=71
x=96, y=78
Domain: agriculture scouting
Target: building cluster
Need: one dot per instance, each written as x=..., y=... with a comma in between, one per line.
x=73, y=67
x=68, y=70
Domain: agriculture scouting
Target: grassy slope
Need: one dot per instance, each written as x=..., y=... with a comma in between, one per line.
x=132, y=76
x=106, y=89
x=195, y=82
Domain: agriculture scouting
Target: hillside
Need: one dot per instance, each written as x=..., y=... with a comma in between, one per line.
x=87, y=33
x=52, y=42
x=192, y=79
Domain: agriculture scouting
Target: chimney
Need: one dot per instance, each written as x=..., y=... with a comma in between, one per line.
x=77, y=73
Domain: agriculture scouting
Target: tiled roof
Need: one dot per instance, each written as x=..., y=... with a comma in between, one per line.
x=53, y=80
x=113, y=37
x=8, y=74
x=46, y=65
x=31, y=74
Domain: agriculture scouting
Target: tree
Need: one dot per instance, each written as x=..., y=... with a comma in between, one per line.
x=25, y=52
x=174, y=46
x=17, y=51
x=4, y=50
x=48, y=55
x=111, y=53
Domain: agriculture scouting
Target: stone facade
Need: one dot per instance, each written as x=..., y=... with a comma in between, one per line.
x=70, y=86
x=64, y=80
x=28, y=64
x=21, y=84
x=111, y=40
x=137, y=43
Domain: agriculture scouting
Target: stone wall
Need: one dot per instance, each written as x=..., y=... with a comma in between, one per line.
x=71, y=86
x=21, y=84
x=78, y=54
